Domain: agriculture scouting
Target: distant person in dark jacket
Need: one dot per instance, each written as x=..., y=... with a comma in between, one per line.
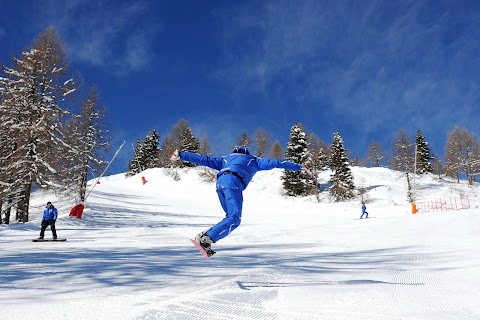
x=235, y=171
x=50, y=215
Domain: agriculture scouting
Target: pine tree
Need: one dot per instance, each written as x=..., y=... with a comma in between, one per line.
x=150, y=151
x=341, y=179
x=189, y=143
x=319, y=156
x=134, y=165
x=321, y=160
x=298, y=183
x=423, y=155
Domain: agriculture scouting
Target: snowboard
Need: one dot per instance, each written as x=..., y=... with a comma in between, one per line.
x=49, y=240
x=365, y=218
x=202, y=251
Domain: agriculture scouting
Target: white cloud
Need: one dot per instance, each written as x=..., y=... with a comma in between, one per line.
x=374, y=65
x=115, y=35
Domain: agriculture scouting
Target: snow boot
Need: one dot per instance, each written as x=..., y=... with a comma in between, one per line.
x=205, y=241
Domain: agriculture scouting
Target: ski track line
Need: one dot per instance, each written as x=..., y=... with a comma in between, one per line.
x=429, y=282
x=214, y=301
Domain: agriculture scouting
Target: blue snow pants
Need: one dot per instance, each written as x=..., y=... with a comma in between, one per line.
x=363, y=213
x=229, y=191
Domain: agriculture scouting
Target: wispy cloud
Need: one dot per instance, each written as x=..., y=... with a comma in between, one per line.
x=372, y=64
x=117, y=35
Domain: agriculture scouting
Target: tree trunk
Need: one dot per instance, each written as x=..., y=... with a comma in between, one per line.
x=409, y=189
x=83, y=187
x=8, y=210
x=22, y=211
x=317, y=195
x=7, y=215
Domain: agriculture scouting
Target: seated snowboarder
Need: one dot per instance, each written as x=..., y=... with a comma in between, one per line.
x=235, y=171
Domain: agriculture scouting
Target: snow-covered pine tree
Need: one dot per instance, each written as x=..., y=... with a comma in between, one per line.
x=134, y=165
x=189, y=143
x=319, y=156
x=34, y=95
x=150, y=151
x=298, y=183
x=341, y=179
x=423, y=154
x=321, y=159
x=86, y=132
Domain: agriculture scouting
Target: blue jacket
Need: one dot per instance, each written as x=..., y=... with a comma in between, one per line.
x=242, y=165
x=50, y=213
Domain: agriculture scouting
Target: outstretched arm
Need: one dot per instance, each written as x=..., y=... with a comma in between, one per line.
x=201, y=159
x=267, y=164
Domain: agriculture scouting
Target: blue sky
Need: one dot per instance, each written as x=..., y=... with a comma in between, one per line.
x=363, y=68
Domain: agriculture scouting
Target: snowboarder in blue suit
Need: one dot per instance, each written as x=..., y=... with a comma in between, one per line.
x=235, y=171
x=364, y=211
x=50, y=215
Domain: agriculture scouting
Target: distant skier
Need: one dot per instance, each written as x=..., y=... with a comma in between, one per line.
x=235, y=171
x=364, y=211
x=50, y=215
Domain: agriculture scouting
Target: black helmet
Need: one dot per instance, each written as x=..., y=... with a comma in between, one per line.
x=241, y=150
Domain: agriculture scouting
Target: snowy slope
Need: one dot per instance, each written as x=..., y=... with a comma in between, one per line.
x=292, y=258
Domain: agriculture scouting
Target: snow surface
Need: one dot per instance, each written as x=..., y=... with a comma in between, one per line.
x=292, y=258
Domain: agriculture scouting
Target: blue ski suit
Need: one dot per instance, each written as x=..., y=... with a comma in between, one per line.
x=364, y=211
x=50, y=215
x=235, y=171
